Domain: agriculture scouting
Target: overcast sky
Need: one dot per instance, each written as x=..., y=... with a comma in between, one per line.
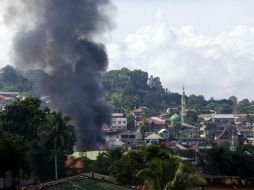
x=205, y=45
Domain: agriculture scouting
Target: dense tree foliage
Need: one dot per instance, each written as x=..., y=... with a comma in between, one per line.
x=39, y=134
x=13, y=155
x=23, y=118
x=12, y=80
x=127, y=89
x=170, y=174
x=220, y=161
x=154, y=165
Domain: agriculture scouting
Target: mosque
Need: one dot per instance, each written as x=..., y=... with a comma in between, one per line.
x=176, y=118
x=180, y=130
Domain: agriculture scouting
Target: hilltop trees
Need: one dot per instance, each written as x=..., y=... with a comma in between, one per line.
x=12, y=80
x=127, y=89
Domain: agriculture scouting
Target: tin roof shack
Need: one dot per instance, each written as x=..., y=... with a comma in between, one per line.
x=153, y=139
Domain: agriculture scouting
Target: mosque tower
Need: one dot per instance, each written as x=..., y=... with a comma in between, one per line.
x=183, y=106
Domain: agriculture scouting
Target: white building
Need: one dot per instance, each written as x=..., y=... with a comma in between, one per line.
x=118, y=122
x=223, y=118
x=219, y=118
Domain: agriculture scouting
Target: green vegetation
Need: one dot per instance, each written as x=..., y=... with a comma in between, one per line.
x=127, y=89
x=30, y=136
x=35, y=141
x=13, y=156
x=13, y=81
x=170, y=174
x=219, y=161
x=152, y=165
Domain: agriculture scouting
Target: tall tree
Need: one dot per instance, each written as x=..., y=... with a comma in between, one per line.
x=58, y=135
x=23, y=118
x=170, y=174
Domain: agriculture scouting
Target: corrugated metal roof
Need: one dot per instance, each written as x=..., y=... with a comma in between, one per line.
x=92, y=155
x=223, y=116
x=153, y=136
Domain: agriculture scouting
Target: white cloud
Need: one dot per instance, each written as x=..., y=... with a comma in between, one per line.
x=220, y=65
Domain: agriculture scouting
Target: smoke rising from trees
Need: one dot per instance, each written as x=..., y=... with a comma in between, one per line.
x=57, y=42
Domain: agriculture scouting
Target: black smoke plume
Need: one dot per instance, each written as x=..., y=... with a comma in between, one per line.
x=59, y=40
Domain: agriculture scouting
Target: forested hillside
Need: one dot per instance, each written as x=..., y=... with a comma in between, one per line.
x=13, y=81
x=127, y=89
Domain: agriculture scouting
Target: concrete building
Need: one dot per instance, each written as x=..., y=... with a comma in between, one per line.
x=118, y=122
x=223, y=118
x=218, y=118
x=128, y=137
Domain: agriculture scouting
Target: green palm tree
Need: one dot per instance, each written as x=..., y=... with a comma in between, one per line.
x=170, y=174
x=185, y=178
x=58, y=135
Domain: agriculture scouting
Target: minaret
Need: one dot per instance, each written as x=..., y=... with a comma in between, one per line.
x=183, y=106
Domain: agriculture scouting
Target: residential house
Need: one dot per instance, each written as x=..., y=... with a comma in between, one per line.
x=153, y=139
x=228, y=138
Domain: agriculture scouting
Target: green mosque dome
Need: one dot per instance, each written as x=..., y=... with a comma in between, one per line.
x=175, y=118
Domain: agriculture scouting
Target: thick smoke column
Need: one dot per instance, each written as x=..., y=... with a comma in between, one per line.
x=59, y=40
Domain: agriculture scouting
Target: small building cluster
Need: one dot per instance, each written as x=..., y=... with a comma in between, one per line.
x=172, y=129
